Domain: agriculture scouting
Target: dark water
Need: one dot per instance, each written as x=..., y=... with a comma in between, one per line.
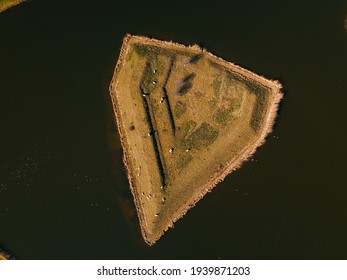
x=63, y=190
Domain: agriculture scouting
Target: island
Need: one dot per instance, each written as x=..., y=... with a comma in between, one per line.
x=186, y=119
x=6, y=4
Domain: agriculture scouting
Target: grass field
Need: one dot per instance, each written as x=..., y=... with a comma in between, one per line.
x=5, y=4
x=186, y=119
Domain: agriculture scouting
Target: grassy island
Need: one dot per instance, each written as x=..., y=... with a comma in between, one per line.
x=6, y=4
x=186, y=119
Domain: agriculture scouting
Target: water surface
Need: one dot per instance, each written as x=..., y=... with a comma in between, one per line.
x=63, y=189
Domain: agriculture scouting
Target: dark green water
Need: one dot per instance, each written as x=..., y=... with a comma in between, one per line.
x=63, y=189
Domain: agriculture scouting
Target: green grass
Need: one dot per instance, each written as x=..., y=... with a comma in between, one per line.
x=141, y=50
x=189, y=126
x=224, y=115
x=145, y=50
x=202, y=137
x=183, y=160
x=217, y=85
x=180, y=109
x=154, y=68
x=225, y=104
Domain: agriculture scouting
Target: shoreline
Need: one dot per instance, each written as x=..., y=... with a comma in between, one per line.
x=11, y=5
x=232, y=165
x=4, y=256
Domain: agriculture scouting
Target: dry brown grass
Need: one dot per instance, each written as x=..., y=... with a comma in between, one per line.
x=4, y=256
x=186, y=119
x=6, y=4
